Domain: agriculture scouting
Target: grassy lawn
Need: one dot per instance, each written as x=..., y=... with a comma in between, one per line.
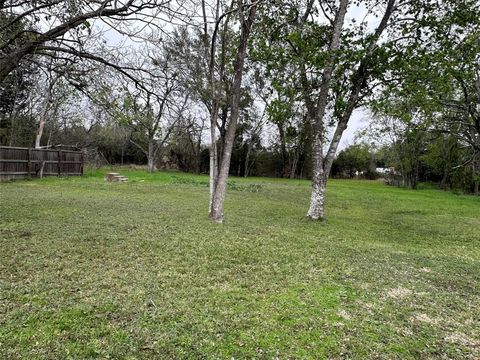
x=136, y=271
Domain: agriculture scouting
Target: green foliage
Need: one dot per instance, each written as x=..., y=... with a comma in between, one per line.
x=202, y=182
x=279, y=111
x=188, y=180
x=19, y=131
x=354, y=159
x=431, y=89
x=233, y=185
x=434, y=68
x=17, y=126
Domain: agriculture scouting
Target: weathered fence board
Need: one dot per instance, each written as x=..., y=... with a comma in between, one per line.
x=18, y=162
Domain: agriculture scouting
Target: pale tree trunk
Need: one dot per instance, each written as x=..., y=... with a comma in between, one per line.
x=315, y=212
x=217, y=208
x=43, y=113
x=150, y=157
x=317, y=198
x=41, y=124
x=213, y=154
x=213, y=171
x=293, y=168
x=214, y=106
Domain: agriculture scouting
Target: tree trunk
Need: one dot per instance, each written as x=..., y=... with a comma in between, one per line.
x=476, y=148
x=217, y=208
x=315, y=212
x=213, y=154
x=283, y=150
x=150, y=157
x=319, y=183
x=446, y=150
x=443, y=182
x=41, y=125
x=247, y=159
x=320, y=176
x=476, y=173
x=215, y=105
x=43, y=114
x=10, y=62
x=293, y=169
x=222, y=133
x=198, y=165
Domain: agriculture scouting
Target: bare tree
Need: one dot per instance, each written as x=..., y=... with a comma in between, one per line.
x=29, y=29
x=53, y=71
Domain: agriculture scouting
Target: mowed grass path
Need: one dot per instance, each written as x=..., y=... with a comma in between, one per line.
x=137, y=271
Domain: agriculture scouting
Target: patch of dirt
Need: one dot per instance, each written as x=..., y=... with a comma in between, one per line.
x=343, y=314
x=398, y=293
x=461, y=339
x=368, y=308
x=423, y=318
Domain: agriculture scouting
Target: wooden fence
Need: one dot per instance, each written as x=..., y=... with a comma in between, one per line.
x=18, y=162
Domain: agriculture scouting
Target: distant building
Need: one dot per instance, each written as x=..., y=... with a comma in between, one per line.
x=383, y=171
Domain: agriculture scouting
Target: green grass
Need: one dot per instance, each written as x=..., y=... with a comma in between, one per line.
x=137, y=271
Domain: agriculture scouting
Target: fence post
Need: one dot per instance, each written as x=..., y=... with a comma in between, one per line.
x=29, y=163
x=81, y=165
x=59, y=162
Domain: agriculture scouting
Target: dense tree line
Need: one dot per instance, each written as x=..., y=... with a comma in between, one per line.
x=248, y=87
